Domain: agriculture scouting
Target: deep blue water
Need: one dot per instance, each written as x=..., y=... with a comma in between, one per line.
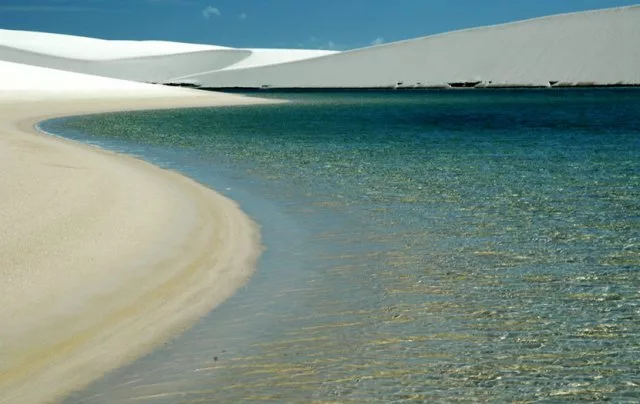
x=451, y=246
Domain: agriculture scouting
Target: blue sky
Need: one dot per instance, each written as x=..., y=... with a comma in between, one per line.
x=328, y=24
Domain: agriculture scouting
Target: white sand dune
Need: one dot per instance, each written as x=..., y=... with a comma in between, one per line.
x=600, y=46
x=83, y=48
x=594, y=47
x=102, y=256
x=257, y=58
x=266, y=57
x=150, y=69
x=145, y=61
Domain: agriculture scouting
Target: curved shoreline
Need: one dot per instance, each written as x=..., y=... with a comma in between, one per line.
x=104, y=256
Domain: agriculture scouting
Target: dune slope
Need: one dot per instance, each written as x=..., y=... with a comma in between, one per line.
x=145, y=61
x=600, y=46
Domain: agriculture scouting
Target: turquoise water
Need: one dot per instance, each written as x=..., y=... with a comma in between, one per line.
x=447, y=246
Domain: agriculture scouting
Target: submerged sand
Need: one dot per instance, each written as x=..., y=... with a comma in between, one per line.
x=102, y=256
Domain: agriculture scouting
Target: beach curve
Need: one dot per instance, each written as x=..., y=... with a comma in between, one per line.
x=103, y=256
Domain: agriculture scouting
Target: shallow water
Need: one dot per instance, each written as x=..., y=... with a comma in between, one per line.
x=456, y=246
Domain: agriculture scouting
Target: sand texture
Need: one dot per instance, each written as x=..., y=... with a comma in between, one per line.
x=102, y=256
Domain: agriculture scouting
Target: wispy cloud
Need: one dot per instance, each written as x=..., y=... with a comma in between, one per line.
x=330, y=45
x=242, y=16
x=211, y=12
x=315, y=42
x=378, y=41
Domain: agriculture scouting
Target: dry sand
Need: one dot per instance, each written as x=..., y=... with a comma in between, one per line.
x=102, y=256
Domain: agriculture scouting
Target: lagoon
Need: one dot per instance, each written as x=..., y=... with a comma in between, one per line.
x=421, y=246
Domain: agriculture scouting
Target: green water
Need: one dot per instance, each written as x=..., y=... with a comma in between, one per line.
x=439, y=246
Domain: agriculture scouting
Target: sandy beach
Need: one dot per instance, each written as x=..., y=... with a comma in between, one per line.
x=102, y=256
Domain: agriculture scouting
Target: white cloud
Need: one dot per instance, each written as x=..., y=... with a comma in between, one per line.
x=211, y=12
x=328, y=45
x=242, y=16
x=378, y=41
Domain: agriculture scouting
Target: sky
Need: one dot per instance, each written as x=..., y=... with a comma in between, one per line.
x=313, y=24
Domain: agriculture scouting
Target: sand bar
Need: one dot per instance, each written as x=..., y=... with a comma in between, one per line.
x=102, y=256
